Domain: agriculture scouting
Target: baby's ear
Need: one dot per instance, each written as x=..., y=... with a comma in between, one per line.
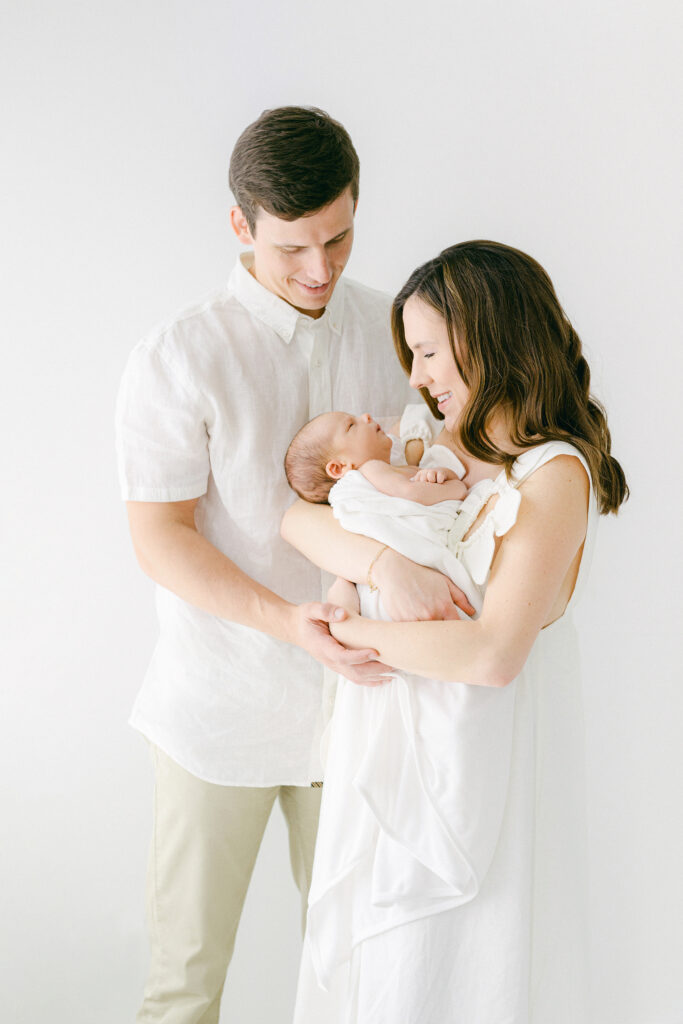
x=335, y=469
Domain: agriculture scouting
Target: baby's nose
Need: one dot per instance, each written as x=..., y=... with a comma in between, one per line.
x=366, y=417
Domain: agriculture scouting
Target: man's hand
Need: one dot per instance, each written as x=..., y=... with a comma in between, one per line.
x=436, y=475
x=311, y=631
x=411, y=591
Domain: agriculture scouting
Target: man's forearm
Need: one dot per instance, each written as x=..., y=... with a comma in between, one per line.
x=182, y=560
x=172, y=552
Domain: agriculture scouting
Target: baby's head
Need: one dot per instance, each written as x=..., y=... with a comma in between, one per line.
x=327, y=447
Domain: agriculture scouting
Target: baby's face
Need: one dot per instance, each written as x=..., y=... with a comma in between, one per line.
x=356, y=439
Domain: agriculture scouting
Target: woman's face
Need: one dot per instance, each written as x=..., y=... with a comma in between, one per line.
x=434, y=367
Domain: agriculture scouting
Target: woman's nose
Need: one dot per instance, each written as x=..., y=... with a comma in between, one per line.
x=416, y=379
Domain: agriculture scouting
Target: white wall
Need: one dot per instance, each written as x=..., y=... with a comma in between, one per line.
x=550, y=126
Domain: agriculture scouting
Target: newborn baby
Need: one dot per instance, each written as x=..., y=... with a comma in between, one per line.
x=330, y=445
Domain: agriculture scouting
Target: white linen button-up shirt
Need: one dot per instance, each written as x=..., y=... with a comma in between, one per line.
x=207, y=407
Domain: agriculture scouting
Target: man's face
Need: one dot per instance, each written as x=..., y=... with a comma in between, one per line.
x=301, y=260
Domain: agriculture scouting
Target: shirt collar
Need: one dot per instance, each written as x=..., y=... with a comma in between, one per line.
x=274, y=311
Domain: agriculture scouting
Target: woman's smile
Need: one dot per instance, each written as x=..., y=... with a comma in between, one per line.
x=434, y=366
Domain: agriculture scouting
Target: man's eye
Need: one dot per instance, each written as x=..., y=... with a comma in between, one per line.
x=290, y=251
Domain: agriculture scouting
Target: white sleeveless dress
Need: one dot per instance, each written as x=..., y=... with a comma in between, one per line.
x=449, y=877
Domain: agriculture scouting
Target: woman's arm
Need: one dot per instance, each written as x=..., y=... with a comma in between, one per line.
x=535, y=564
x=313, y=530
x=409, y=591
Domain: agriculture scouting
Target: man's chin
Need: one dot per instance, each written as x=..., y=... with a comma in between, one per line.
x=309, y=304
x=312, y=305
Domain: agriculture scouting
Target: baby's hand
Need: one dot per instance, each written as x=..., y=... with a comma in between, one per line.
x=437, y=475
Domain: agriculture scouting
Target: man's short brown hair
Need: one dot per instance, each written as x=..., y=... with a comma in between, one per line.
x=292, y=161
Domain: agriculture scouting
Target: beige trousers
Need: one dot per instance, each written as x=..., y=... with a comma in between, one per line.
x=204, y=846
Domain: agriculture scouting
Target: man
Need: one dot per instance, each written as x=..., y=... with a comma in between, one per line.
x=232, y=702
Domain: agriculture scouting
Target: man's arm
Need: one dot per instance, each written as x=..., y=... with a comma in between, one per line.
x=401, y=482
x=172, y=552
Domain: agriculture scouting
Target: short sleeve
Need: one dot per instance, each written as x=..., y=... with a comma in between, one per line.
x=161, y=431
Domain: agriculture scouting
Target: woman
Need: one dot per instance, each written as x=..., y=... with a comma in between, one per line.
x=474, y=915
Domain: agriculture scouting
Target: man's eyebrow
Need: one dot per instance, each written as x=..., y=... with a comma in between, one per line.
x=295, y=245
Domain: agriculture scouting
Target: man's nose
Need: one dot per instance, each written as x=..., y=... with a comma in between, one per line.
x=318, y=267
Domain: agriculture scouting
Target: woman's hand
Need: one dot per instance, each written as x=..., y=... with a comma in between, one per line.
x=413, y=592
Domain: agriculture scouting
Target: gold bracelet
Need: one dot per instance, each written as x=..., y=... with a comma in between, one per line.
x=373, y=586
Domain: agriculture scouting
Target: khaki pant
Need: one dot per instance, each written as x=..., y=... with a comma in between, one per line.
x=206, y=838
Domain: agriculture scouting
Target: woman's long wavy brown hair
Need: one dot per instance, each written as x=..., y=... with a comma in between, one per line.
x=517, y=353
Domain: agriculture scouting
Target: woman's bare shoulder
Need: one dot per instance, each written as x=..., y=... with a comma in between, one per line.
x=559, y=478
x=554, y=501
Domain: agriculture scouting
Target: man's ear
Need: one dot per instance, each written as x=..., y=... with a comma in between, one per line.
x=240, y=225
x=335, y=469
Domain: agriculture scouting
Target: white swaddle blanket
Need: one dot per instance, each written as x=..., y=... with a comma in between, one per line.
x=417, y=770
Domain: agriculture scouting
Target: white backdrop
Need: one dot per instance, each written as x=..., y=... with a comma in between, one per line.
x=550, y=126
